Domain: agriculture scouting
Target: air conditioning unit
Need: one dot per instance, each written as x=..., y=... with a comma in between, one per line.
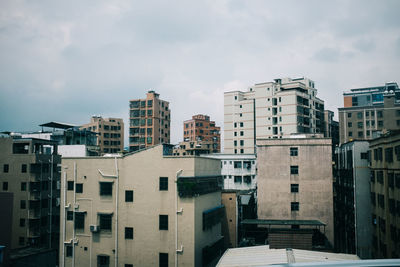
x=94, y=228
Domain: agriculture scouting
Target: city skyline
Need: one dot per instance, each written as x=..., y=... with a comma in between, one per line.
x=66, y=63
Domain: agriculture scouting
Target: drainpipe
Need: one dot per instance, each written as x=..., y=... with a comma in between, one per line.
x=178, y=173
x=73, y=229
x=65, y=215
x=51, y=199
x=116, y=212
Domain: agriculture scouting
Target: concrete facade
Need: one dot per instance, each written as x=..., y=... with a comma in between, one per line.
x=164, y=218
x=230, y=219
x=201, y=129
x=150, y=121
x=110, y=132
x=270, y=110
x=367, y=111
x=239, y=171
x=294, y=180
x=28, y=170
x=352, y=200
x=385, y=195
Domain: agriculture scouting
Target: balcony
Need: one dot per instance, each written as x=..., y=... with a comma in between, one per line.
x=198, y=185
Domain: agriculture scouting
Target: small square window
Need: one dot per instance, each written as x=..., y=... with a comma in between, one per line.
x=163, y=184
x=105, y=222
x=6, y=168
x=163, y=222
x=294, y=151
x=23, y=204
x=294, y=169
x=70, y=215
x=128, y=195
x=79, y=188
x=23, y=168
x=106, y=189
x=128, y=232
x=23, y=186
x=5, y=186
x=294, y=188
x=70, y=185
x=294, y=206
x=79, y=220
x=103, y=260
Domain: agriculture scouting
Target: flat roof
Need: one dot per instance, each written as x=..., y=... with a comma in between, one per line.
x=58, y=125
x=283, y=222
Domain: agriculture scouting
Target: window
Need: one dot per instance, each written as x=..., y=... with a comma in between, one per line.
x=163, y=222
x=23, y=168
x=235, y=124
x=103, y=261
x=380, y=123
x=106, y=189
x=379, y=176
x=5, y=186
x=6, y=168
x=294, y=169
x=389, y=154
x=360, y=125
x=237, y=164
x=359, y=115
x=379, y=113
x=242, y=142
x=391, y=180
x=294, y=206
x=241, y=151
x=349, y=124
x=79, y=220
x=22, y=222
x=350, y=134
x=70, y=185
x=241, y=133
x=23, y=186
x=69, y=250
x=105, y=222
x=128, y=232
x=23, y=204
x=79, y=188
x=238, y=179
x=348, y=115
x=235, y=143
x=70, y=215
x=163, y=184
x=163, y=257
x=294, y=151
x=360, y=134
x=294, y=188
x=241, y=124
x=128, y=195
x=128, y=265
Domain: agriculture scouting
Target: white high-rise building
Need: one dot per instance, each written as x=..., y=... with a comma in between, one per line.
x=270, y=110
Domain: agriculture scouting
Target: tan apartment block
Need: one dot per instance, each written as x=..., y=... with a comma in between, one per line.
x=28, y=170
x=150, y=121
x=146, y=208
x=294, y=180
x=110, y=132
x=385, y=195
x=270, y=110
x=201, y=129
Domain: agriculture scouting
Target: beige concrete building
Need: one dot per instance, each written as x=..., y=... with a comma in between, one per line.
x=201, y=129
x=29, y=172
x=294, y=182
x=129, y=211
x=270, y=110
x=193, y=148
x=385, y=195
x=110, y=132
x=368, y=111
x=150, y=121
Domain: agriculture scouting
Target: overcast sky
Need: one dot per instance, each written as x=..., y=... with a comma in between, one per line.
x=67, y=60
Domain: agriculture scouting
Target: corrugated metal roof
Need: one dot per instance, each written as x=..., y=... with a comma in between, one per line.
x=263, y=255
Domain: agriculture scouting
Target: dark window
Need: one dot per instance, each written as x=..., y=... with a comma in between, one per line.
x=105, y=222
x=128, y=265
x=23, y=168
x=5, y=186
x=381, y=201
x=391, y=180
x=359, y=115
x=364, y=155
x=389, y=154
x=69, y=250
x=23, y=204
x=348, y=115
x=379, y=176
x=294, y=188
x=6, y=167
x=294, y=169
x=163, y=258
x=103, y=261
x=79, y=220
x=373, y=199
x=70, y=185
x=79, y=188
x=22, y=222
x=163, y=222
x=238, y=179
x=237, y=164
x=241, y=124
x=128, y=232
x=23, y=186
x=294, y=151
x=163, y=184
x=128, y=195
x=70, y=215
x=105, y=189
x=294, y=206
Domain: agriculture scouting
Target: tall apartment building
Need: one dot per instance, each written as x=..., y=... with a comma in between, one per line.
x=352, y=200
x=29, y=172
x=292, y=192
x=146, y=208
x=200, y=129
x=385, y=195
x=150, y=121
x=369, y=110
x=270, y=110
x=110, y=132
